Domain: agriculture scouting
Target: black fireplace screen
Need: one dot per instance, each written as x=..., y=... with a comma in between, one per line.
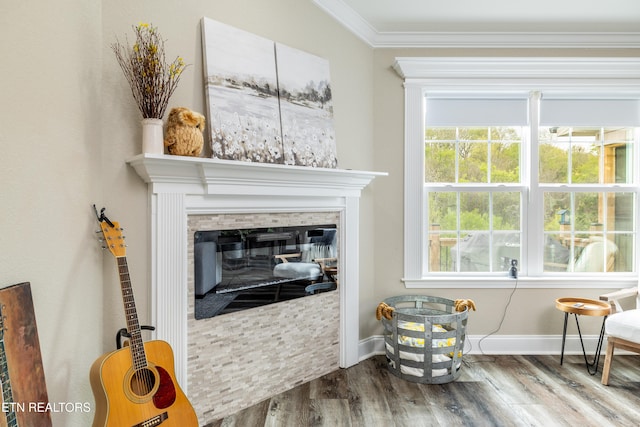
x=246, y=268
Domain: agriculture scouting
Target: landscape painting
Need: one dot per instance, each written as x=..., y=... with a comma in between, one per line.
x=306, y=108
x=242, y=94
x=266, y=102
x=24, y=391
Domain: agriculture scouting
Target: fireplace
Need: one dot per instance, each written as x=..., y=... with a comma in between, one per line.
x=188, y=195
x=242, y=268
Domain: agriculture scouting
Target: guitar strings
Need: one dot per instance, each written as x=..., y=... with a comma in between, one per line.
x=143, y=375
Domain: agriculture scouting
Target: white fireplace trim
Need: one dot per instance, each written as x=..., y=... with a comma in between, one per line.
x=181, y=186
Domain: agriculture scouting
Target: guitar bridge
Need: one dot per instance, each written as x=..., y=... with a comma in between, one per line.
x=155, y=421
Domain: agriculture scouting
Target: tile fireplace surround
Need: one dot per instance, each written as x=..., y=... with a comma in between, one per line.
x=232, y=361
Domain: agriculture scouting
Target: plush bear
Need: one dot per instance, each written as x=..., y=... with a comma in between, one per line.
x=184, y=132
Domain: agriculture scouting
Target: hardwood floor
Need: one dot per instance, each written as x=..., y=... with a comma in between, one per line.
x=491, y=391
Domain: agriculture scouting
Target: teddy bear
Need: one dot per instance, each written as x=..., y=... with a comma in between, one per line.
x=184, y=132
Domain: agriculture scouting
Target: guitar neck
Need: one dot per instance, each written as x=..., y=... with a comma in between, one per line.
x=136, y=344
x=7, y=394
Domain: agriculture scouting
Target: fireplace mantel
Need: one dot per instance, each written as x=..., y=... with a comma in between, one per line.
x=181, y=186
x=213, y=176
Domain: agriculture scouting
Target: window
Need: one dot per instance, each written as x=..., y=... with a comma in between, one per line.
x=473, y=182
x=543, y=175
x=584, y=208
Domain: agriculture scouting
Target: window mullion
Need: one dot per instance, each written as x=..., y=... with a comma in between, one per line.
x=533, y=218
x=635, y=159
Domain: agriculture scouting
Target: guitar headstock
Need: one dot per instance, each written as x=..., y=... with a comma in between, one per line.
x=113, y=239
x=112, y=233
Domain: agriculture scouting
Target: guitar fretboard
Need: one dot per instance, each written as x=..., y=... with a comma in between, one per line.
x=7, y=393
x=136, y=344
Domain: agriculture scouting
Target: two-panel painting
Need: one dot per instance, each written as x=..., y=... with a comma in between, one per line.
x=266, y=102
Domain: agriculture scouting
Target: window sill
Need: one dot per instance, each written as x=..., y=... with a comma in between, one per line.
x=547, y=282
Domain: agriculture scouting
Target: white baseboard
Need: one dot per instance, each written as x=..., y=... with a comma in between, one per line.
x=504, y=344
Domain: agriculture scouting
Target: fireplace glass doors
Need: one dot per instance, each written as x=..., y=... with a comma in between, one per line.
x=246, y=268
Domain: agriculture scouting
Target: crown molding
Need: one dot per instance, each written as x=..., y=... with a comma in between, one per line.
x=355, y=23
x=349, y=18
x=530, y=40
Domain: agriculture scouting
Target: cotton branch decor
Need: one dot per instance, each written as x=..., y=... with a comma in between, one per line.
x=151, y=78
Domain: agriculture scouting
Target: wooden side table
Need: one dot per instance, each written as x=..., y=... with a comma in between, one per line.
x=585, y=307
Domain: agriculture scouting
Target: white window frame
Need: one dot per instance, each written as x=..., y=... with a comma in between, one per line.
x=613, y=76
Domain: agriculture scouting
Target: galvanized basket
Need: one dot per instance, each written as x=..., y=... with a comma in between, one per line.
x=424, y=339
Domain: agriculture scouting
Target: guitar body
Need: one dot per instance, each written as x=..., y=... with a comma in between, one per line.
x=147, y=397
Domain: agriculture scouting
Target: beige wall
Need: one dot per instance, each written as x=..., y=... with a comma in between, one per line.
x=50, y=142
x=67, y=125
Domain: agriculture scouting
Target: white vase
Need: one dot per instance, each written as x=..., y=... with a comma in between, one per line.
x=152, y=136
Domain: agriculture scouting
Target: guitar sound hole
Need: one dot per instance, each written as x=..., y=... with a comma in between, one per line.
x=143, y=382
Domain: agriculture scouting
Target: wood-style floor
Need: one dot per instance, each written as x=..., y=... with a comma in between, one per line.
x=491, y=391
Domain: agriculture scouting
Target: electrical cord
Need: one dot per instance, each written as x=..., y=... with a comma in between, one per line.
x=504, y=314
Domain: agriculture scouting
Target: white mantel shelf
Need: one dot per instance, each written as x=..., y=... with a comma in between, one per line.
x=214, y=176
x=182, y=186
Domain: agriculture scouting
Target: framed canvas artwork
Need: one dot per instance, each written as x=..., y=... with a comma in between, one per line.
x=306, y=108
x=241, y=94
x=266, y=102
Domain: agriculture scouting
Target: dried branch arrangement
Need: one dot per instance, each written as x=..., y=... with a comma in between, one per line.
x=151, y=78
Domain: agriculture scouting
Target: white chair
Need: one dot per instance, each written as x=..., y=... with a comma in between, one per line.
x=622, y=327
x=599, y=256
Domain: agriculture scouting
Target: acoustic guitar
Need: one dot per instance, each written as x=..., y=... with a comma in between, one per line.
x=136, y=385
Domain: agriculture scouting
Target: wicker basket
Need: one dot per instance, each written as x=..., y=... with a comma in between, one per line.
x=424, y=339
